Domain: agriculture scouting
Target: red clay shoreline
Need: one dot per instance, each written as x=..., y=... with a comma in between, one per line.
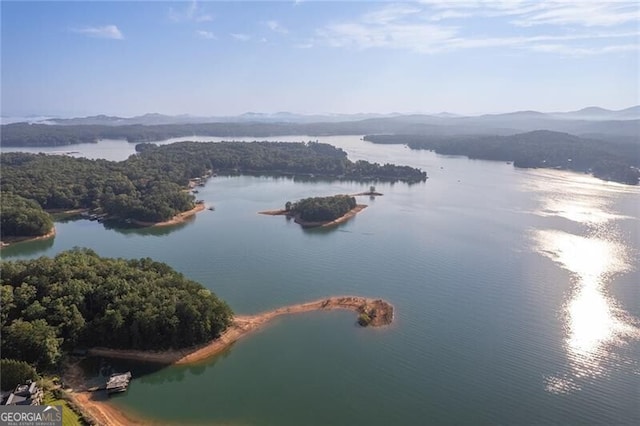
x=244, y=324
x=179, y=218
x=325, y=224
x=380, y=311
x=13, y=240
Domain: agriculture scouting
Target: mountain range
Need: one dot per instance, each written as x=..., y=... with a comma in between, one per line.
x=592, y=113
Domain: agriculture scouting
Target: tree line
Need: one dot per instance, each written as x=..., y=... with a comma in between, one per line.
x=149, y=186
x=617, y=162
x=50, y=306
x=28, y=134
x=22, y=217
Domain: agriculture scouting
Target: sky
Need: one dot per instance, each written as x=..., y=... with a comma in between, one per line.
x=215, y=58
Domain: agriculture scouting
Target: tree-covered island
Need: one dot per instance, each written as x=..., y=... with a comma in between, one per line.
x=150, y=186
x=320, y=211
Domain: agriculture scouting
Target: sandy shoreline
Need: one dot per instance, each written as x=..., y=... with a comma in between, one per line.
x=369, y=193
x=307, y=224
x=342, y=219
x=179, y=218
x=104, y=413
x=13, y=240
x=242, y=325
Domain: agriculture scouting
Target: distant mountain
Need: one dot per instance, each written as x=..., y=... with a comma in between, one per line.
x=151, y=119
x=516, y=114
x=621, y=126
x=597, y=113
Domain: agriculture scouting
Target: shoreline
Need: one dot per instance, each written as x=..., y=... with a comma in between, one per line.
x=243, y=325
x=8, y=241
x=179, y=218
x=381, y=311
x=306, y=224
x=342, y=219
x=104, y=413
x=368, y=193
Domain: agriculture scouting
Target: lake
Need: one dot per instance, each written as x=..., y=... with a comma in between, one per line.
x=516, y=296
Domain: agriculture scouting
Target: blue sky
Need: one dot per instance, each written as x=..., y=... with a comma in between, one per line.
x=226, y=58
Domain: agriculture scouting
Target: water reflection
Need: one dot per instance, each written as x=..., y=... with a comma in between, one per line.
x=593, y=322
x=27, y=247
x=579, y=198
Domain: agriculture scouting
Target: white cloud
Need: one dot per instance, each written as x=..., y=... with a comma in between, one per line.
x=587, y=13
x=390, y=13
x=193, y=13
x=423, y=27
x=419, y=38
x=449, y=14
x=107, y=31
x=206, y=35
x=240, y=36
x=582, y=51
x=275, y=26
x=605, y=14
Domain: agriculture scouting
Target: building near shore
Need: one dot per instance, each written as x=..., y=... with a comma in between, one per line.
x=25, y=394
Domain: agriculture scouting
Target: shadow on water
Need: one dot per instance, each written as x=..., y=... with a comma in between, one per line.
x=129, y=229
x=320, y=231
x=98, y=369
x=27, y=248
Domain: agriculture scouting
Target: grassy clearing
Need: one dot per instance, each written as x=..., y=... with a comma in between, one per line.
x=69, y=417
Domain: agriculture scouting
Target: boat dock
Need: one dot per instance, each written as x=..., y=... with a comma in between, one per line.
x=118, y=382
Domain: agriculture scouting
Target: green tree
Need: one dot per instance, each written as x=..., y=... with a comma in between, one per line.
x=35, y=342
x=14, y=372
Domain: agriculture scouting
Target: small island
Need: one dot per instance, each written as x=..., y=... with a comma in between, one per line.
x=320, y=211
x=372, y=193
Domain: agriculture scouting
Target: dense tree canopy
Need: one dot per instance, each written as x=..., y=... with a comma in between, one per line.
x=14, y=372
x=22, y=217
x=150, y=186
x=607, y=160
x=49, y=306
x=321, y=209
x=26, y=134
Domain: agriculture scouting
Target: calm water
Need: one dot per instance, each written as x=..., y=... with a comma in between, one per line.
x=516, y=294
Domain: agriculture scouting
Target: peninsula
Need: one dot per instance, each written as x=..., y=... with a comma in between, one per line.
x=141, y=309
x=371, y=312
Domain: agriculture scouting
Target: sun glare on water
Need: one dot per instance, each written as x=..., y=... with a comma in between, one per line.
x=592, y=319
x=594, y=324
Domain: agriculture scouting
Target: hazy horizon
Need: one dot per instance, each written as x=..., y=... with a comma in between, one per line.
x=74, y=59
x=294, y=113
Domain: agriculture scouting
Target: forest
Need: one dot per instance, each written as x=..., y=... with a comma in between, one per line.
x=619, y=162
x=21, y=217
x=150, y=186
x=321, y=209
x=49, y=306
x=25, y=134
